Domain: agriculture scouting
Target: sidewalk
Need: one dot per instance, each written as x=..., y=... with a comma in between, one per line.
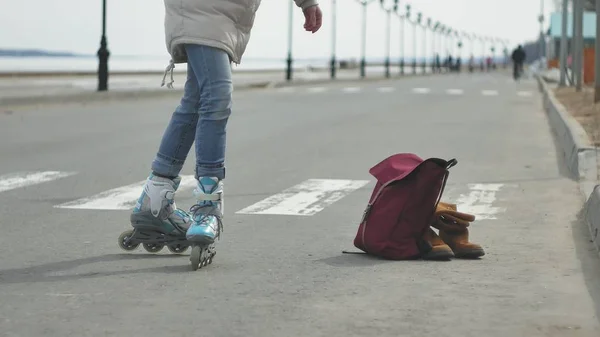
x=52, y=89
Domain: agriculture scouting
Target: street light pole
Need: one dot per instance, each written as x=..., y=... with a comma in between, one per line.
x=425, y=26
x=574, y=42
x=417, y=24
x=541, y=19
x=103, y=54
x=363, y=59
x=580, y=45
x=402, y=30
x=333, y=37
x=388, y=33
x=407, y=19
x=483, y=52
x=563, y=43
x=597, y=56
x=434, y=47
x=288, y=74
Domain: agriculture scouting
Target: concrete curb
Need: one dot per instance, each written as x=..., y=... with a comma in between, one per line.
x=591, y=215
x=580, y=156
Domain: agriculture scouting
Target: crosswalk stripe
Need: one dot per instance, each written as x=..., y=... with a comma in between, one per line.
x=455, y=91
x=351, y=89
x=525, y=93
x=23, y=179
x=451, y=91
x=286, y=89
x=421, y=90
x=489, y=92
x=386, y=89
x=120, y=198
x=306, y=198
x=317, y=89
x=479, y=201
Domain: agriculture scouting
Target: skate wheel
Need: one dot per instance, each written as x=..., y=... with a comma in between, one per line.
x=177, y=249
x=195, y=257
x=152, y=247
x=124, y=242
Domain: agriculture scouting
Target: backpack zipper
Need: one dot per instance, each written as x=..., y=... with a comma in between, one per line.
x=368, y=210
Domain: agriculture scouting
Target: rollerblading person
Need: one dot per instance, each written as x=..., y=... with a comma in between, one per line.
x=208, y=36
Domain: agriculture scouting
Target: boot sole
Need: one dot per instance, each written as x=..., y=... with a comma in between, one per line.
x=471, y=254
x=439, y=256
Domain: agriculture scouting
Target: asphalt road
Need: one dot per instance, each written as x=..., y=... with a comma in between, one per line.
x=68, y=173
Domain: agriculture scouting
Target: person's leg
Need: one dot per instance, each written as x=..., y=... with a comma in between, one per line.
x=181, y=131
x=156, y=205
x=213, y=71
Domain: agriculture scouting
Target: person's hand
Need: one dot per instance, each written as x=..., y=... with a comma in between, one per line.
x=313, y=19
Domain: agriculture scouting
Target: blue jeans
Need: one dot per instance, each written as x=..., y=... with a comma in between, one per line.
x=201, y=116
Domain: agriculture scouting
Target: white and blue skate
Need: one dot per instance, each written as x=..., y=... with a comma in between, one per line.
x=207, y=223
x=156, y=220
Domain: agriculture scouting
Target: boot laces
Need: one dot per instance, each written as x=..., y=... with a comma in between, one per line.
x=202, y=212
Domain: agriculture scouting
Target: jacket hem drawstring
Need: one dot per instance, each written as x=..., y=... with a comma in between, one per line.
x=169, y=68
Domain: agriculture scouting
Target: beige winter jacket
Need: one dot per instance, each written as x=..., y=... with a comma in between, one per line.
x=224, y=24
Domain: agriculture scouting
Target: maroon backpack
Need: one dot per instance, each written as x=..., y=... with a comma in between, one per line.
x=402, y=205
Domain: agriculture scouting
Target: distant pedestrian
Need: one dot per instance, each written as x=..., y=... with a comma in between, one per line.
x=208, y=36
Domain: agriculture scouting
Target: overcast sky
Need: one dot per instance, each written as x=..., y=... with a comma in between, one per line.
x=135, y=27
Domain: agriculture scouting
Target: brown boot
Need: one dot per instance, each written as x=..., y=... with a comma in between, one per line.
x=440, y=250
x=453, y=231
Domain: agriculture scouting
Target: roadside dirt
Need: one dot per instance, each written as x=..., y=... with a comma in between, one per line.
x=581, y=106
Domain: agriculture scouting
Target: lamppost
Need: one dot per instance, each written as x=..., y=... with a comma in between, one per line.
x=288, y=73
x=426, y=25
x=434, y=48
x=402, y=30
x=388, y=33
x=482, y=39
x=459, y=55
x=443, y=44
x=417, y=24
x=541, y=20
x=103, y=54
x=333, y=37
x=450, y=38
x=407, y=18
x=363, y=60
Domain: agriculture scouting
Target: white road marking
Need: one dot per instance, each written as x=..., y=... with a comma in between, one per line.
x=454, y=91
x=525, y=93
x=489, y=92
x=120, y=198
x=286, y=89
x=351, y=89
x=421, y=90
x=317, y=89
x=22, y=179
x=479, y=201
x=386, y=89
x=306, y=198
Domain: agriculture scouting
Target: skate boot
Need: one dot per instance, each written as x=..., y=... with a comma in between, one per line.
x=439, y=249
x=207, y=223
x=453, y=226
x=156, y=220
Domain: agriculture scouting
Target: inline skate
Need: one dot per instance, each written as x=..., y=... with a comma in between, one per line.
x=156, y=220
x=207, y=225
